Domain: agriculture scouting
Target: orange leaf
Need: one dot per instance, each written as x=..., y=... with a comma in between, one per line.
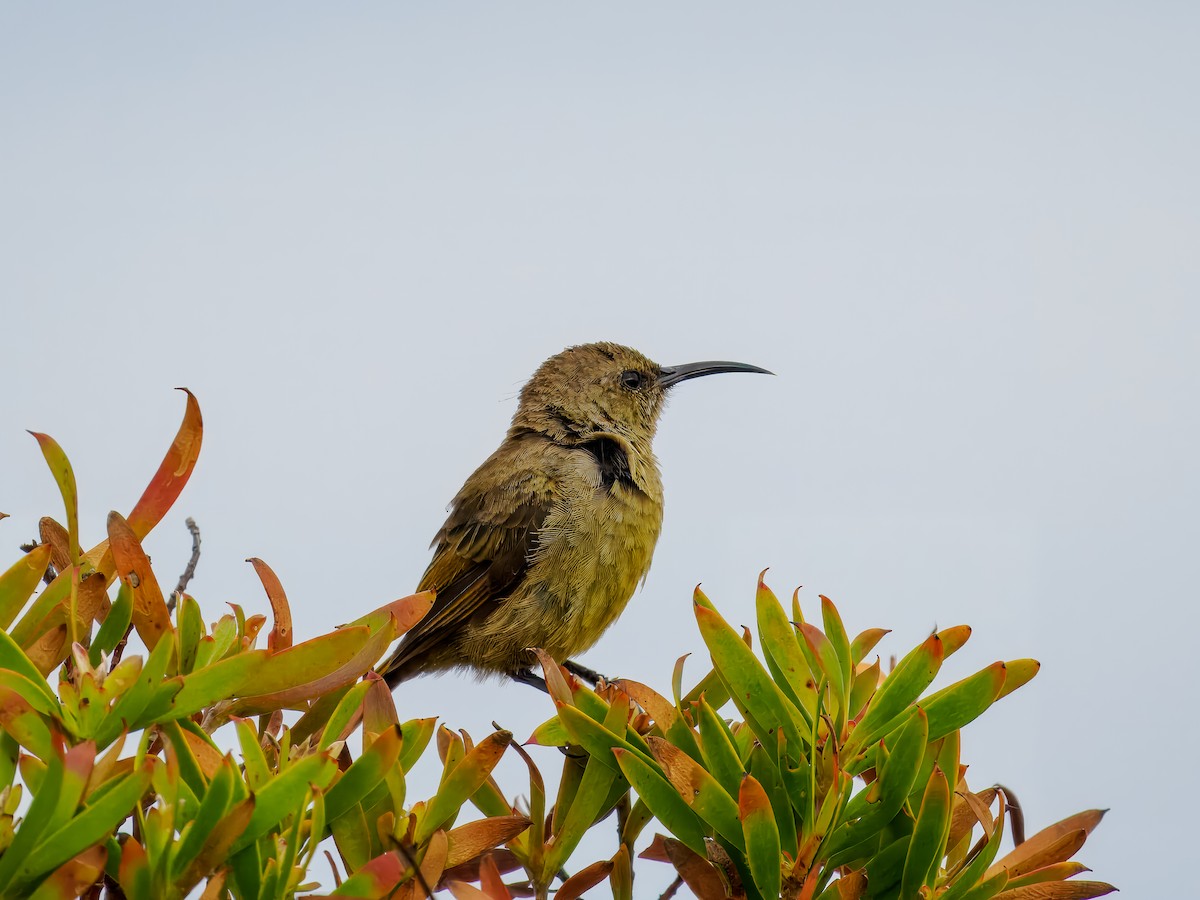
x=584, y=880
x=660, y=709
x=657, y=850
x=408, y=611
x=556, y=677
x=133, y=863
x=280, y=637
x=379, y=708
x=150, y=616
x=474, y=838
x=1058, y=890
x=207, y=756
x=490, y=880
x=1048, y=845
x=215, y=889
x=463, y=891
x=53, y=642
x=75, y=876
x=698, y=873
x=59, y=541
x=968, y=809
x=852, y=885
x=173, y=472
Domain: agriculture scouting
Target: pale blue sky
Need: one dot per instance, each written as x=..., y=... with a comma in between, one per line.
x=963, y=235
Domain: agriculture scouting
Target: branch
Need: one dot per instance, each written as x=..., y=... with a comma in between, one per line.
x=191, y=566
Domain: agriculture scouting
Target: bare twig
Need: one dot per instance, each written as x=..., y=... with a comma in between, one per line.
x=191, y=566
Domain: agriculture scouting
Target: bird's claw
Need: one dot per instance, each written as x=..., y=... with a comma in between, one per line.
x=591, y=676
x=526, y=676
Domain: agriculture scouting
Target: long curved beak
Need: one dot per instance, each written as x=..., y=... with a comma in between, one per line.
x=670, y=375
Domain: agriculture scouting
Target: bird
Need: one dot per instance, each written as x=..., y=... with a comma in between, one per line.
x=549, y=538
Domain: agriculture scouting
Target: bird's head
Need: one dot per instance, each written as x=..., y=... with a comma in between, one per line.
x=605, y=388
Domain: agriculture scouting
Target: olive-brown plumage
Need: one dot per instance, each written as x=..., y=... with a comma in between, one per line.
x=548, y=539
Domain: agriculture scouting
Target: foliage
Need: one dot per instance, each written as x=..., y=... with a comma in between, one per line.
x=767, y=806
x=836, y=780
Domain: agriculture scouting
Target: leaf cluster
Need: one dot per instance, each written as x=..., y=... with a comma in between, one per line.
x=836, y=781
x=806, y=773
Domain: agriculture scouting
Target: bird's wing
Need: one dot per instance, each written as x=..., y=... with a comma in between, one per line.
x=481, y=554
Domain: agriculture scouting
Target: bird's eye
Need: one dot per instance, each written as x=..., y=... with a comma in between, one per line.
x=632, y=379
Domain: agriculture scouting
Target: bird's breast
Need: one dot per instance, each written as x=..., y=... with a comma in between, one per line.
x=593, y=550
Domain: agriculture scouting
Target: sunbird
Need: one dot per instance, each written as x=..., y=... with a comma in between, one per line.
x=548, y=539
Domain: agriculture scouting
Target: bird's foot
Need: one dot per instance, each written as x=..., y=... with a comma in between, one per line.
x=591, y=676
x=526, y=676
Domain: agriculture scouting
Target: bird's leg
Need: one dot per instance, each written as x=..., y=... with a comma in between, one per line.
x=591, y=676
x=526, y=676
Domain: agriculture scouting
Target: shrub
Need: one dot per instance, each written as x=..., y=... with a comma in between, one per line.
x=836, y=781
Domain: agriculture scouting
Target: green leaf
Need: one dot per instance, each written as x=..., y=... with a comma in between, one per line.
x=19, y=581
x=254, y=760
x=782, y=652
x=881, y=801
x=90, y=826
x=551, y=733
x=215, y=646
x=64, y=477
x=114, y=626
x=835, y=632
x=26, y=630
x=865, y=643
x=19, y=718
x=863, y=688
x=962, y=702
x=775, y=781
x=585, y=806
x=928, y=838
x=662, y=799
x=903, y=686
x=78, y=762
x=761, y=836
x=20, y=676
x=285, y=795
x=750, y=687
x=699, y=790
x=37, y=818
x=830, y=666
x=1018, y=673
x=214, y=803
x=190, y=628
x=461, y=783
x=10, y=750
x=222, y=680
x=885, y=868
x=717, y=748
x=315, y=667
x=966, y=881
x=597, y=740
x=354, y=836
x=364, y=774
x=345, y=712
x=215, y=849
x=416, y=735
x=127, y=711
